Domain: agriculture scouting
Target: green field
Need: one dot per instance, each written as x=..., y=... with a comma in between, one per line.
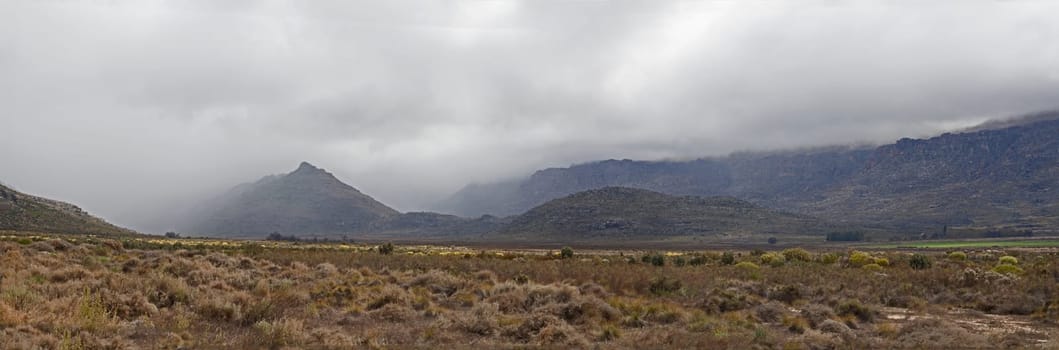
x=1024, y=243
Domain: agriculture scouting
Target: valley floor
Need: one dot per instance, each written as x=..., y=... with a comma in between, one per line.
x=68, y=292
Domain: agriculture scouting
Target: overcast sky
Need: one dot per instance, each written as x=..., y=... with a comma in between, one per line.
x=128, y=107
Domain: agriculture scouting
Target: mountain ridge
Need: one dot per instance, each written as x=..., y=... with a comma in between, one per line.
x=623, y=213
x=25, y=212
x=972, y=178
x=308, y=200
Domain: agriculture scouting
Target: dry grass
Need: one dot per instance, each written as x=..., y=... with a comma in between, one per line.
x=59, y=294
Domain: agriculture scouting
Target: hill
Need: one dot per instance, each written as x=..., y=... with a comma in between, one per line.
x=620, y=213
x=23, y=212
x=1002, y=175
x=307, y=201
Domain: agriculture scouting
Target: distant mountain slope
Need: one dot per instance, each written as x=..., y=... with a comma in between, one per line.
x=991, y=177
x=1001, y=177
x=306, y=201
x=23, y=212
x=770, y=179
x=627, y=213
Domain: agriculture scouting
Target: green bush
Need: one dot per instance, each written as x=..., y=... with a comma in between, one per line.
x=658, y=259
x=858, y=259
x=872, y=267
x=828, y=258
x=665, y=285
x=1008, y=260
x=773, y=259
x=882, y=261
x=1008, y=269
x=728, y=258
x=957, y=256
x=797, y=254
x=679, y=261
x=919, y=262
x=566, y=253
x=386, y=249
x=697, y=260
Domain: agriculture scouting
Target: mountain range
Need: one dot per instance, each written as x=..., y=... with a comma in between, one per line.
x=1000, y=175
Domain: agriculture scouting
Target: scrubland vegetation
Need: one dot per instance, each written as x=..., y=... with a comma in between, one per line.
x=66, y=293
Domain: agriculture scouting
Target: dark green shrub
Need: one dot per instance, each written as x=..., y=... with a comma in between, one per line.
x=697, y=260
x=919, y=262
x=728, y=258
x=658, y=259
x=679, y=261
x=386, y=249
x=566, y=253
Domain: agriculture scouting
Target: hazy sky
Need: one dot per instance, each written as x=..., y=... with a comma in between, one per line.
x=131, y=107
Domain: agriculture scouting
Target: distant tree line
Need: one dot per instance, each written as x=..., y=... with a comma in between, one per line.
x=845, y=236
x=1015, y=233
x=276, y=236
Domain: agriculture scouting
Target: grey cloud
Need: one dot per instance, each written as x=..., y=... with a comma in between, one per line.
x=131, y=108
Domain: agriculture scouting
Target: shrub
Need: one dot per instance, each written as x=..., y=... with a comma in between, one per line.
x=697, y=260
x=857, y=258
x=386, y=249
x=747, y=266
x=872, y=267
x=728, y=258
x=610, y=332
x=1008, y=269
x=665, y=285
x=658, y=259
x=882, y=261
x=855, y=308
x=919, y=262
x=958, y=256
x=281, y=332
x=773, y=259
x=828, y=258
x=797, y=254
x=679, y=261
x=566, y=253
x=1008, y=260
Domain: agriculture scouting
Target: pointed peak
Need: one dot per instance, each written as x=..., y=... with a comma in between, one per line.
x=308, y=169
x=305, y=167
